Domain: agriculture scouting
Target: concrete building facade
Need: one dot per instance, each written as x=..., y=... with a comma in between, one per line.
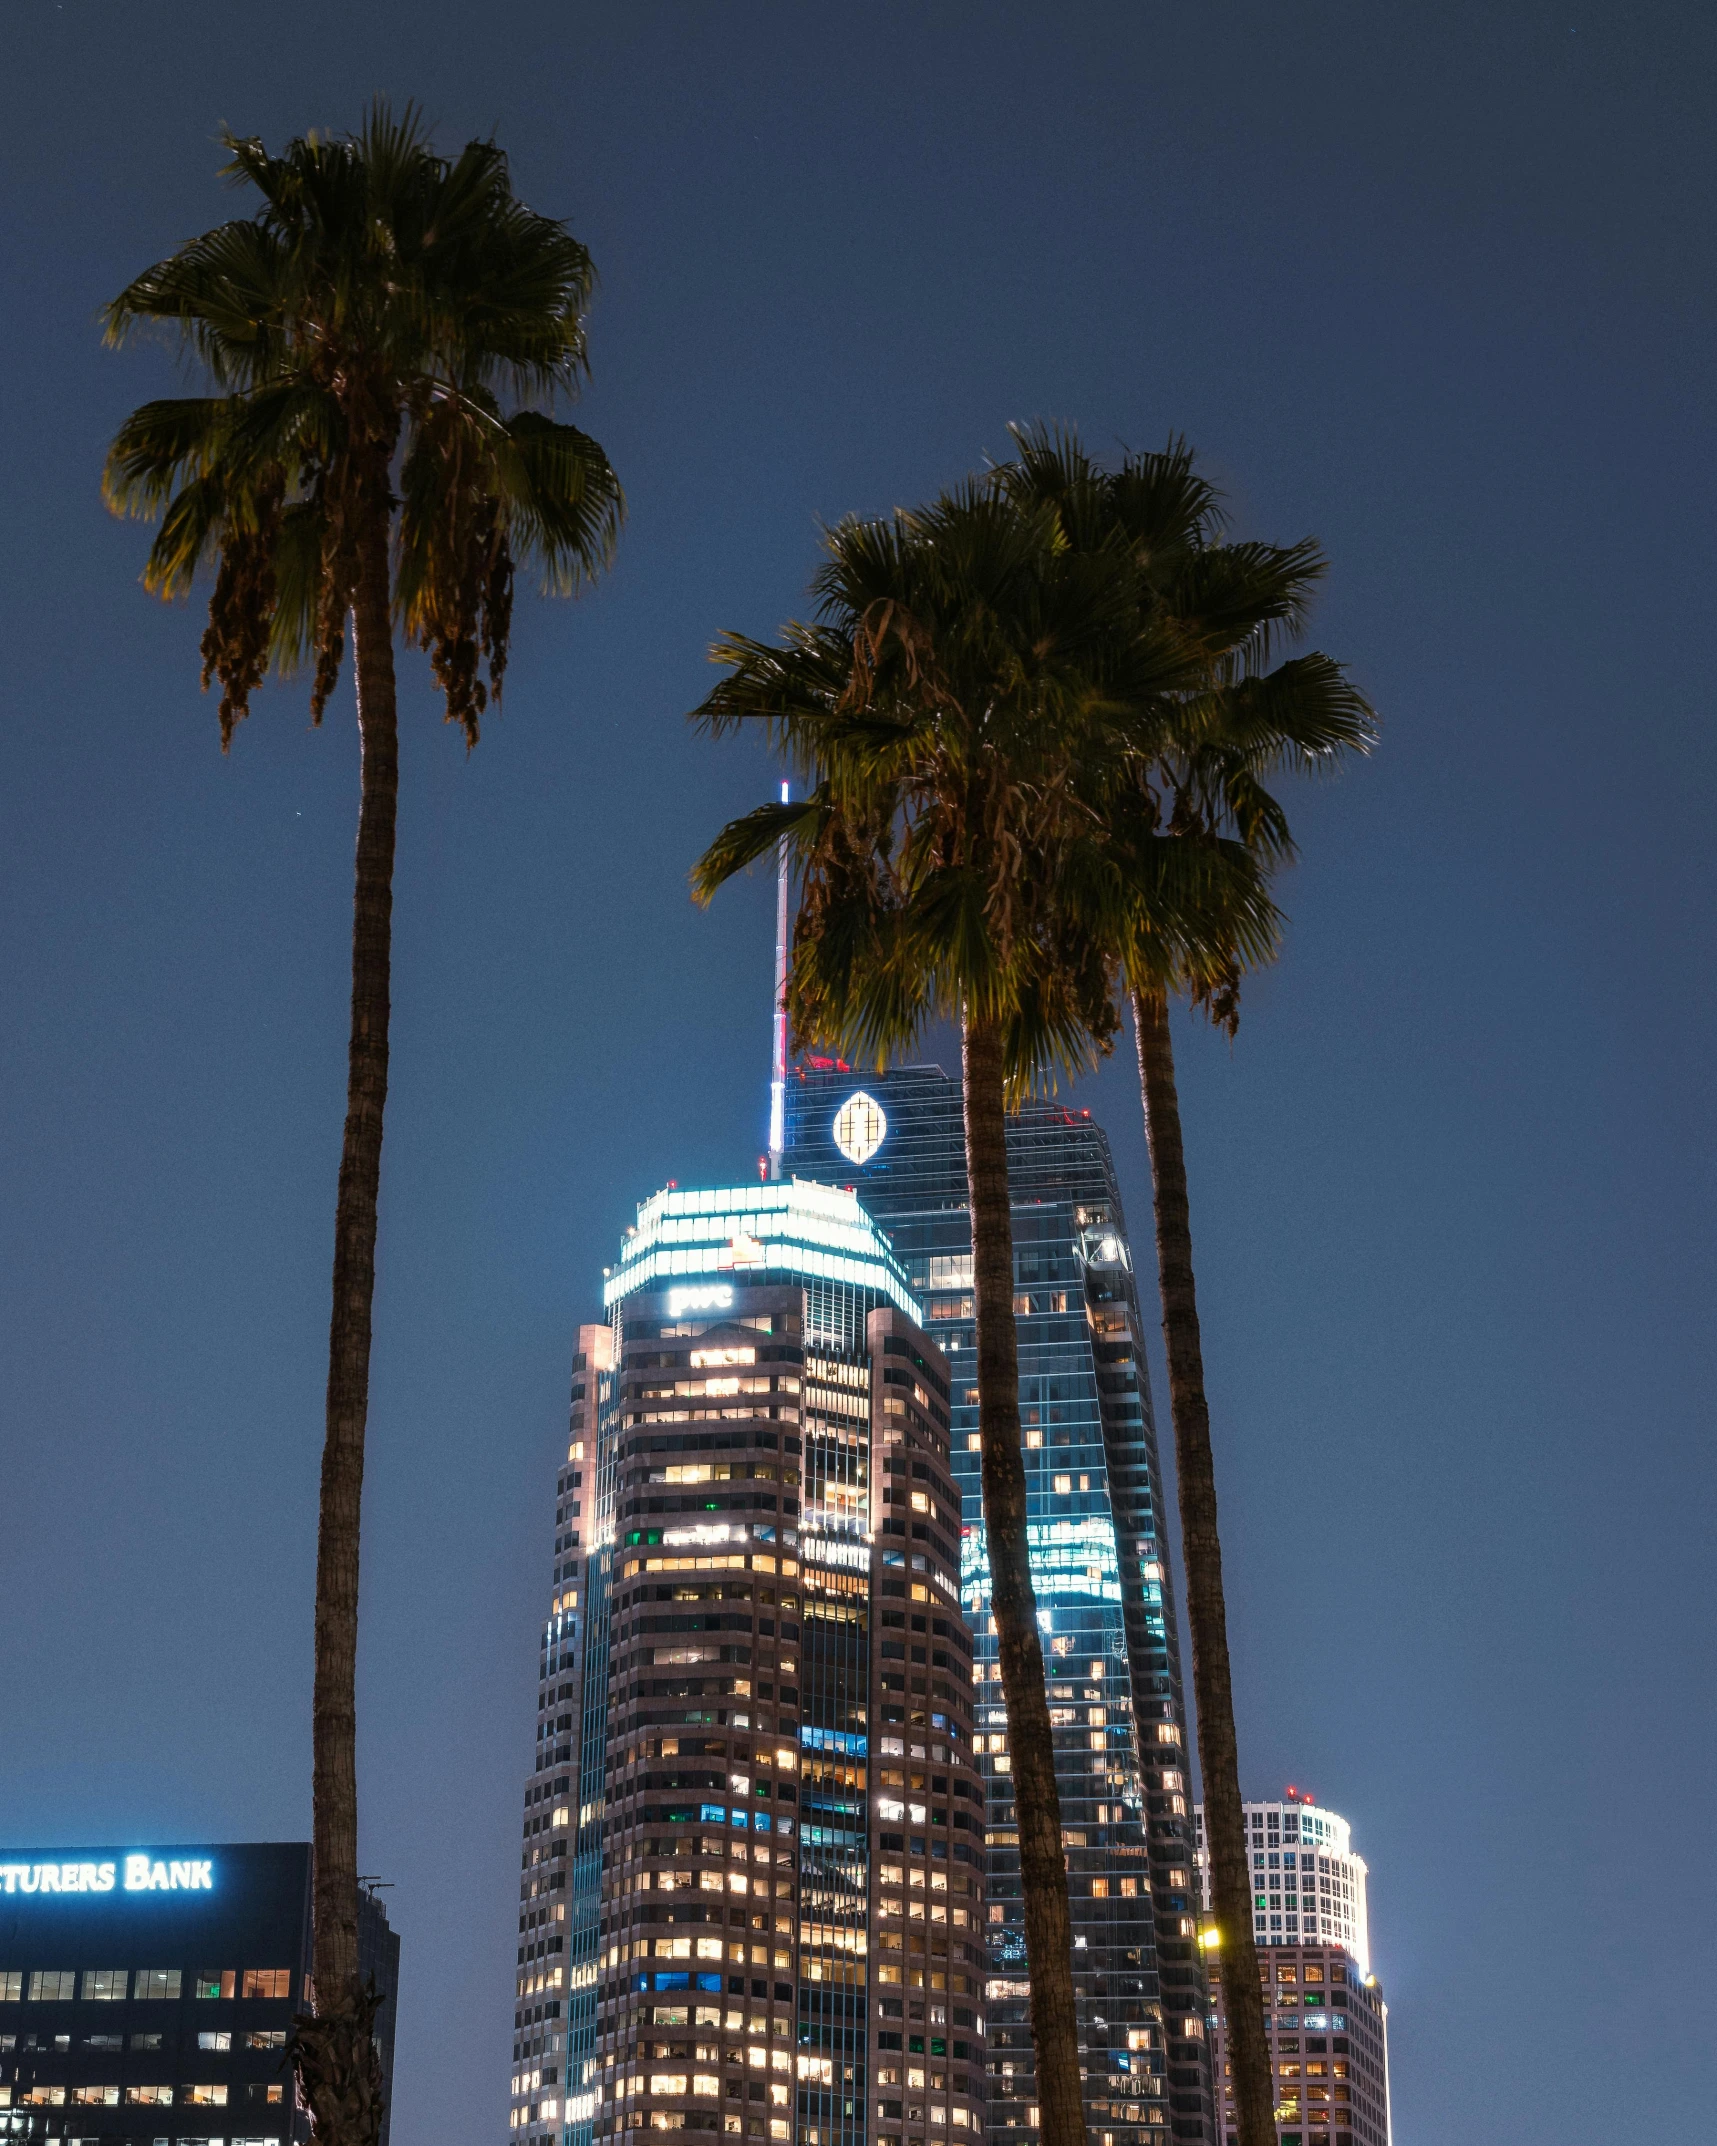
x=1327, y=2021
x=753, y=1882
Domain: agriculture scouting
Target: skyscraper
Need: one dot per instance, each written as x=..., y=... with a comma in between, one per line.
x=753, y=1866
x=1326, y=2015
x=1100, y=1564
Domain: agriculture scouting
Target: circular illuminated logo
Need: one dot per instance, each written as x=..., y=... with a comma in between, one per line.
x=860, y=1127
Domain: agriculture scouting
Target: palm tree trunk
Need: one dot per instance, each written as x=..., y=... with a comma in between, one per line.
x=1207, y=1619
x=337, y=2061
x=1013, y=1603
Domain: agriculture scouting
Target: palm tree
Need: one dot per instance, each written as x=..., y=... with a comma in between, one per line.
x=938, y=710
x=358, y=334
x=1194, y=776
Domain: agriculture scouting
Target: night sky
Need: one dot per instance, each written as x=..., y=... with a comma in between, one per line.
x=1430, y=283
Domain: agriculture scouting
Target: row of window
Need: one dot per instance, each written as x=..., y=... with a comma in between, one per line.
x=219, y=2040
x=213, y=2096
x=204, y=2141
x=110, y=1985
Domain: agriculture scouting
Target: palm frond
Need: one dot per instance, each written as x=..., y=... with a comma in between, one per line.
x=561, y=500
x=742, y=842
x=159, y=446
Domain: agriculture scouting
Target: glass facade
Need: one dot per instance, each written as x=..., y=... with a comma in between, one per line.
x=1100, y=1563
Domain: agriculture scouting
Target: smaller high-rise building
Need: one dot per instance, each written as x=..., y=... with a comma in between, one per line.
x=147, y=1995
x=1323, y=2009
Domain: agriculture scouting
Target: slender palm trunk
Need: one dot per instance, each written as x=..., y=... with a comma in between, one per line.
x=337, y=2062
x=1207, y=1619
x=1042, y=1860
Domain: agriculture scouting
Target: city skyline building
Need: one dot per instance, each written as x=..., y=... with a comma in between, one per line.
x=148, y=1994
x=1325, y=2014
x=753, y=1861
x=1099, y=1554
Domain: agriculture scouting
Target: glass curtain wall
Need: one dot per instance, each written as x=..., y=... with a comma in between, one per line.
x=1099, y=1561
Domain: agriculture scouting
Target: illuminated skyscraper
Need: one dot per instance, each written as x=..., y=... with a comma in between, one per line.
x=752, y=1898
x=1328, y=2023
x=1100, y=1565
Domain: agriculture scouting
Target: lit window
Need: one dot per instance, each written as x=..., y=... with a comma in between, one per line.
x=105, y=1985
x=267, y=1982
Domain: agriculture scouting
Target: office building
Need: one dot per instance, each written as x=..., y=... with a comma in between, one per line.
x=1100, y=1565
x=753, y=1856
x=147, y=1994
x=1327, y=2021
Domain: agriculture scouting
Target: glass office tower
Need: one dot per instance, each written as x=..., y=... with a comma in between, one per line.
x=753, y=1891
x=1100, y=1564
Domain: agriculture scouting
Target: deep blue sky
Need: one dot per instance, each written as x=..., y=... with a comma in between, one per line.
x=1430, y=282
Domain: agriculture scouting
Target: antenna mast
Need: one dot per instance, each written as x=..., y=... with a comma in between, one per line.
x=778, y=1067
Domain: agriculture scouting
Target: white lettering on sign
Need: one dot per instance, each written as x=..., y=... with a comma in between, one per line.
x=718, y=1298
x=143, y=1874
x=56, y=1877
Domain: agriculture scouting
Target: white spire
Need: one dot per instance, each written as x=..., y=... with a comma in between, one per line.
x=778, y=1068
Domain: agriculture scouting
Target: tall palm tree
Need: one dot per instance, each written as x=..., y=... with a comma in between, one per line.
x=1194, y=775
x=359, y=333
x=938, y=710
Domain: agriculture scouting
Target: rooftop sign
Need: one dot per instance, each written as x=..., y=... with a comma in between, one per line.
x=142, y=1873
x=860, y=1127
